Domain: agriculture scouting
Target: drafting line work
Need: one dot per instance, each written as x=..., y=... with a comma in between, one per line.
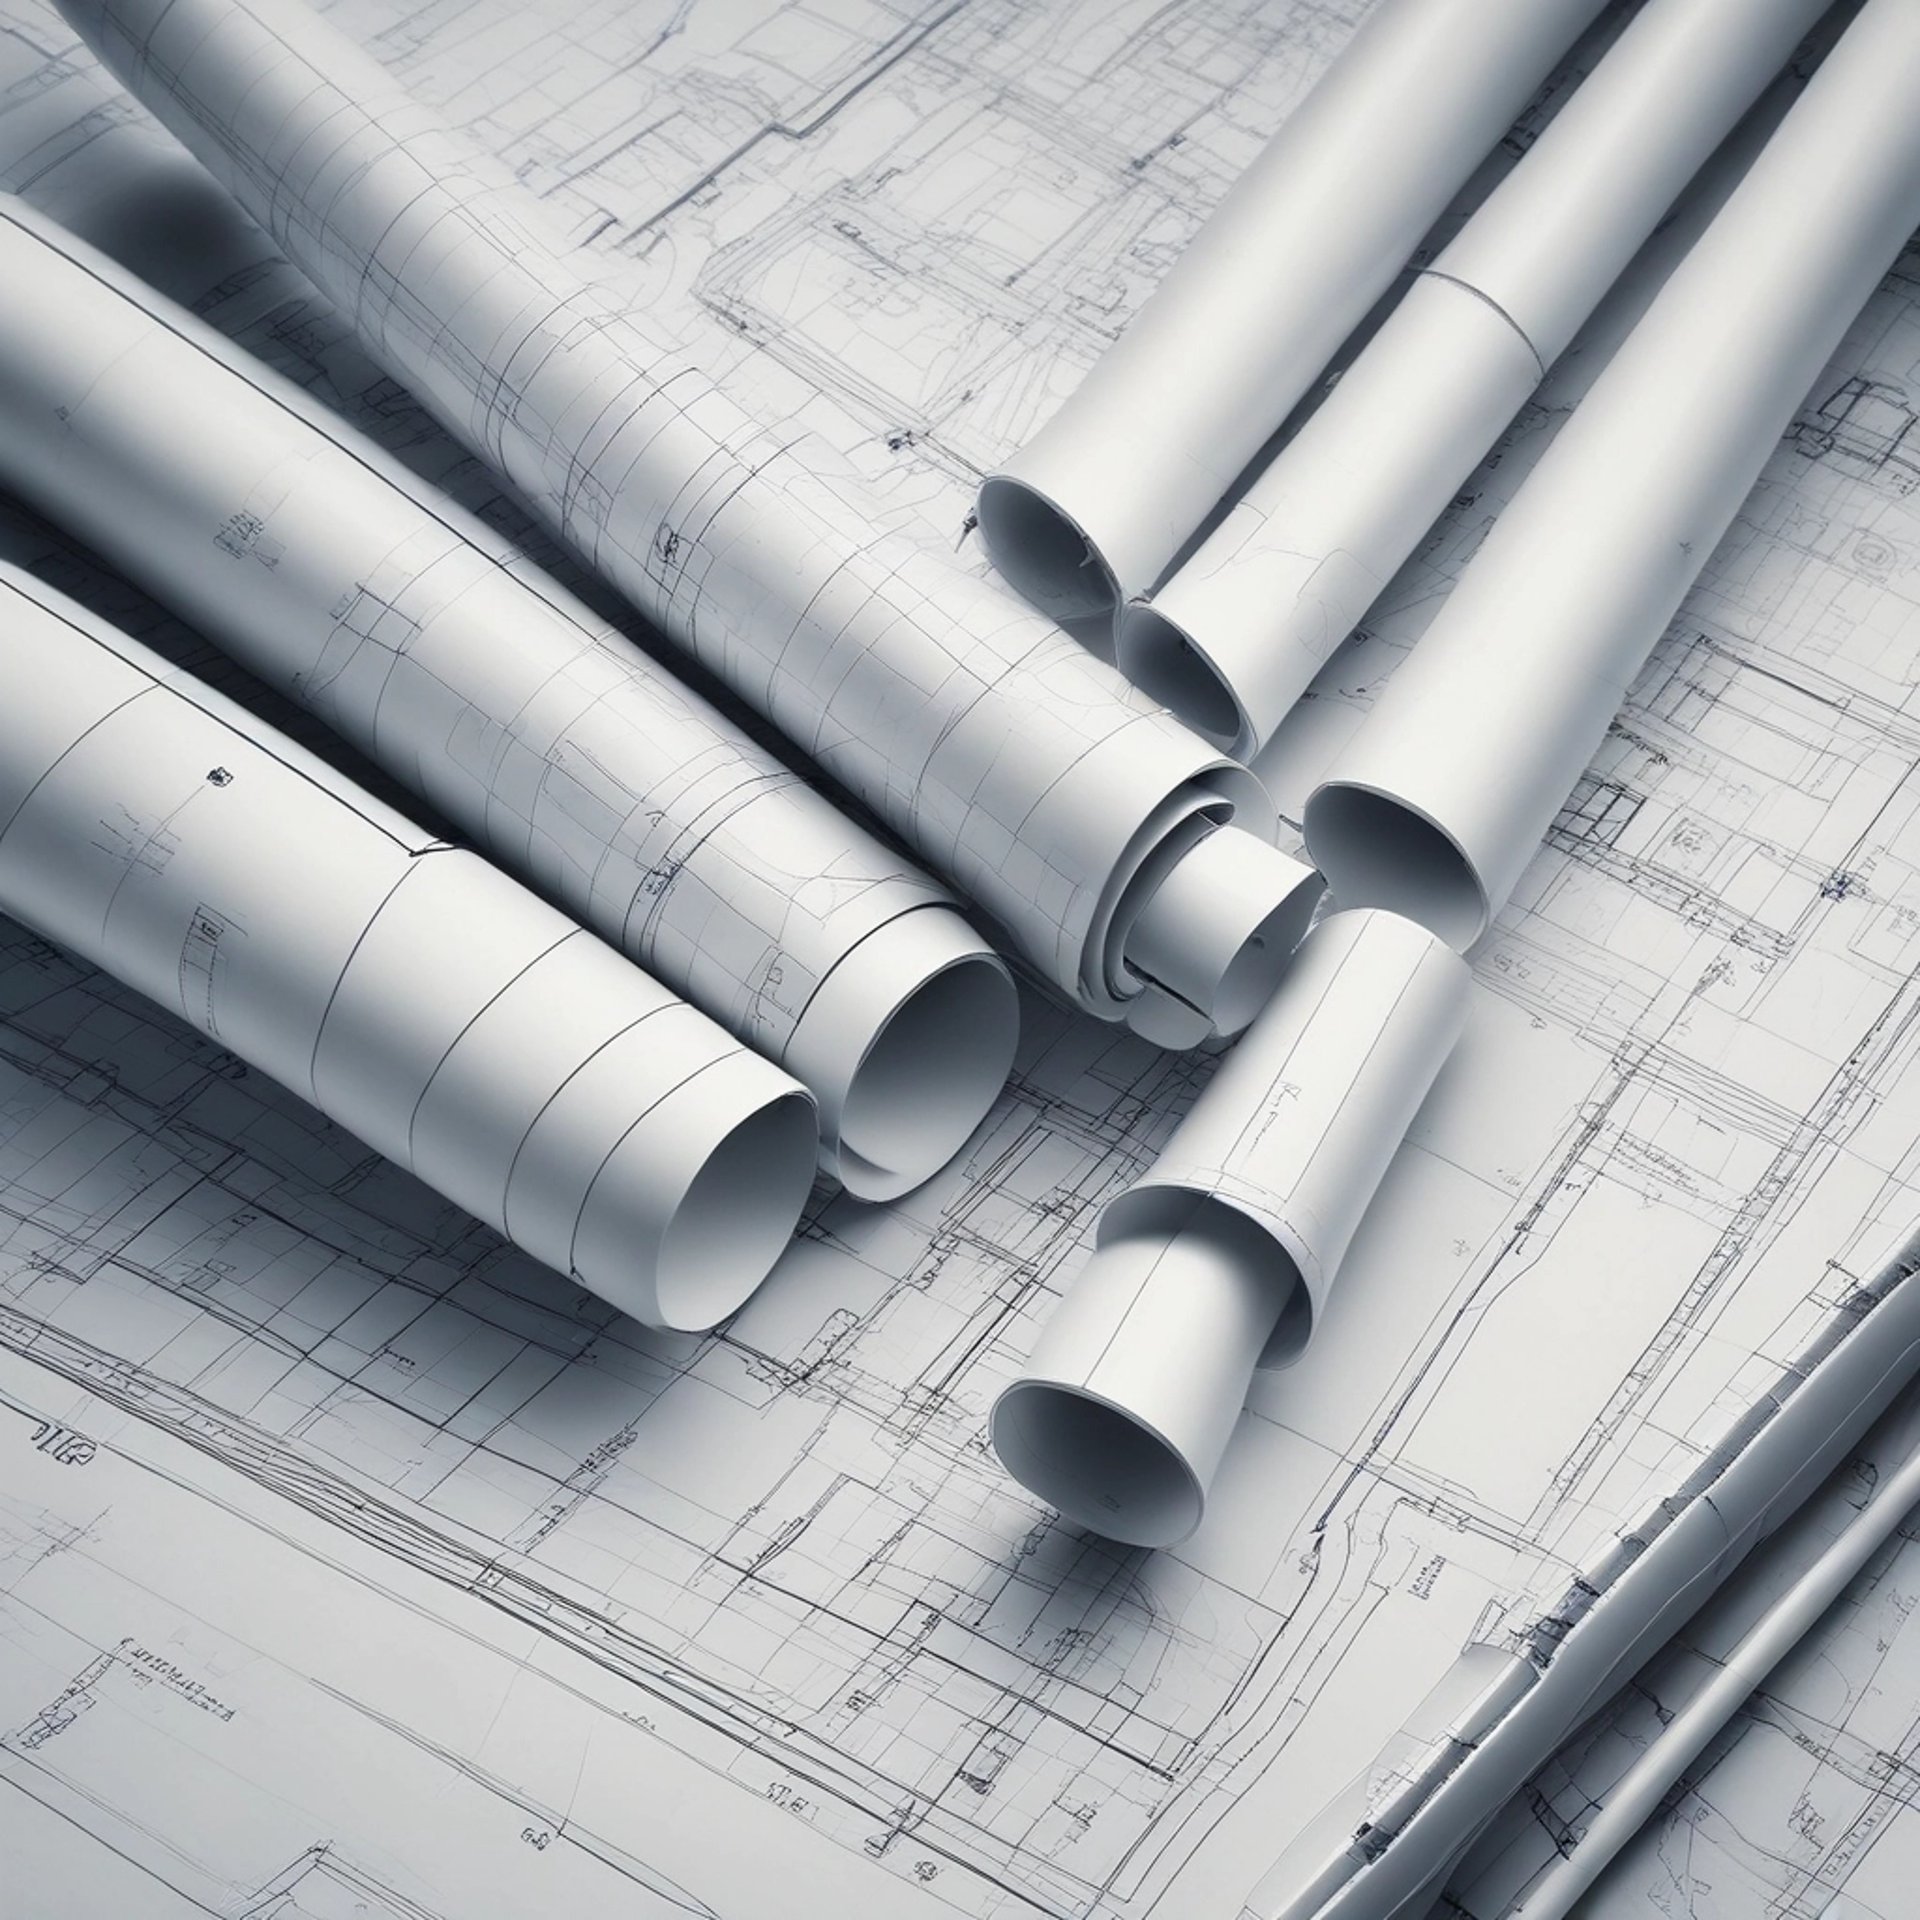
x=1636, y=1798
x=1382, y=1850
x=1025, y=772
x=1236, y=635
x=443, y=655
x=1438, y=803
x=1799, y=1759
x=1092, y=509
x=1219, y=1259
x=353, y=1562
x=464, y=1028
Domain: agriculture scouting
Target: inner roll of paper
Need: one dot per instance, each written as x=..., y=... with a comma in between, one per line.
x=420, y=998
x=1093, y=508
x=437, y=649
x=1025, y=772
x=1438, y=802
x=1220, y=1257
x=1232, y=640
x=921, y=1077
x=1219, y=926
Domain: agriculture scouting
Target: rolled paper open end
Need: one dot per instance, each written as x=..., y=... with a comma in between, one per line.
x=1134, y=1386
x=1220, y=928
x=1378, y=851
x=1168, y=664
x=691, y=1209
x=1101, y=1465
x=906, y=1044
x=1042, y=553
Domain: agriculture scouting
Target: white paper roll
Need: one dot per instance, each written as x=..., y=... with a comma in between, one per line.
x=1131, y=1395
x=1093, y=508
x=1220, y=1257
x=1235, y=636
x=441, y=653
x=1026, y=772
x=1437, y=804
x=411, y=992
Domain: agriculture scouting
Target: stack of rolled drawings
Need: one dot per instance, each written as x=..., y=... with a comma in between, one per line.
x=681, y=971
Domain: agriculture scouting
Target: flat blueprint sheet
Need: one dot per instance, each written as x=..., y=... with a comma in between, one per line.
x=352, y=1565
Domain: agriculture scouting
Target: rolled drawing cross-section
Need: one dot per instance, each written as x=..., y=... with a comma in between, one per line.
x=1027, y=773
x=1220, y=1257
x=1232, y=640
x=1441, y=798
x=440, y=652
x=457, y=1024
x=1094, y=507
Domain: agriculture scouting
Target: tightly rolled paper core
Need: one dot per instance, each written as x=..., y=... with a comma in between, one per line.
x=925, y=1072
x=1218, y=929
x=1219, y=1259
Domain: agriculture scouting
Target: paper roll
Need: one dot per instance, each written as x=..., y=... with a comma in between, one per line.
x=1437, y=804
x=1129, y=1399
x=1235, y=636
x=1027, y=773
x=1093, y=508
x=441, y=653
x=1219, y=1259
x=410, y=992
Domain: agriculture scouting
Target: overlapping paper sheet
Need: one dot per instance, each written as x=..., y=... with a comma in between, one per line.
x=351, y=1564
x=1803, y=1805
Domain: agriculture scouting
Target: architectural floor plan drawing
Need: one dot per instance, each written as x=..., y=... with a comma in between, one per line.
x=352, y=1564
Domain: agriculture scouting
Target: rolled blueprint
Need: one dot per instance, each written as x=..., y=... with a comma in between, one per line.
x=1382, y=1850
x=1235, y=636
x=1636, y=1797
x=1218, y=1260
x=1024, y=771
x=1094, y=507
x=408, y=990
x=439, y=651
x=1438, y=802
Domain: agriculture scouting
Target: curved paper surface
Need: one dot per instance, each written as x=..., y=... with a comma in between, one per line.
x=1437, y=804
x=1220, y=1257
x=440, y=1011
x=1096, y=505
x=1235, y=636
x=1303, y=1116
x=1027, y=773
x=439, y=651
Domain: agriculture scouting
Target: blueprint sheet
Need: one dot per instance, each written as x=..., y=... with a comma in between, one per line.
x=353, y=1565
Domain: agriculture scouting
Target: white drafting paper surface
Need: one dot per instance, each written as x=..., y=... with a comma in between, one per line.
x=411, y=991
x=1026, y=771
x=350, y=1563
x=559, y=749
